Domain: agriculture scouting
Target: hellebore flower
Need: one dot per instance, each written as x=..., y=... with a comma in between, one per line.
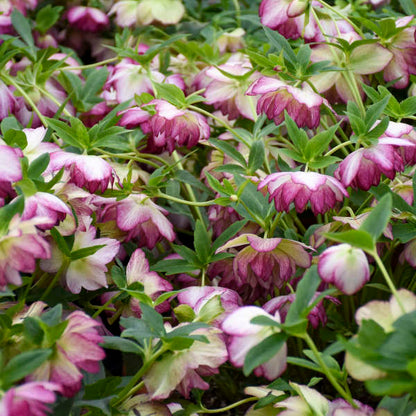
x=93, y=172
x=322, y=191
x=144, y=12
x=266, y=263
x=231, y=41
x=20, y=246
x=77, y=349
x=29, y=399
x=88, y=19
x=362, y=168
x=86, y=272
x=170, y=128
x=345, y=267
x=274, y=13
x=243, y=336
x=182, y=370
x=10, y=168
x=139, y=216
x=303, y=106
x=227, y=94
x=384, y=313
x=35, y=144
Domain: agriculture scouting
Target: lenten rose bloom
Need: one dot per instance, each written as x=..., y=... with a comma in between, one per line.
x=243, y=336
x=86, y=272
x=302, y=105
x=93, y=172
x=171, y=128
x=10, y=169
x=77, y=349
x=29, y=399
x=322, y=191
x=363, y=168
x=20, y=246
x=138, y=216
x=88, y=19
x=182, y=370
x=274, y=13
x=266, y=263
x=345, y=267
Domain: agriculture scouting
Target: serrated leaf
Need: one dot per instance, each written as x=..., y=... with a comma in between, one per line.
x=229, y=150
x=256, y=156
x=121, y=344
x=22, y=27
x=47, y=17
x=202, y=242
x=170, y=93
x=38, y=166
x=356, y=238
x=379, y=217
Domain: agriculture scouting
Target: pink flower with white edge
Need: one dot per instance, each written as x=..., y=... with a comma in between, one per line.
x=197, y=297
x=137, y=270
x=266, y=263
x=10, y=167
x=43, y=204
x=7, y=101
x=87, y=272
x=182, y=370
x=341, y=407
x=409, y=253
x=93, y=172
x=171, y=128
x=227, y=94
x=244, y=335
x=322, y=191
x=138, y=216
x=403, y=47
x=20, y=246
x=88, y=19
x=144, y=12
x=302, y=105
x=29, y=399
x=363, y=168
x=345, y=267
x=77, y=349
x=274, y=13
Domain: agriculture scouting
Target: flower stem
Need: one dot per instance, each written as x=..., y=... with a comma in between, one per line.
x=185, y=202
x=337, y=147
x=81, y=67
x=388, y=280
x=344, y=394
x=103, y=307
x=229, y=407
x=58, y=274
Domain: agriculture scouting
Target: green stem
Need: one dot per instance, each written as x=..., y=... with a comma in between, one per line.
x=52, y=98
x=345, y=395
x=81, y=67
x=237, y=13
x=58, y=274
x=219, y=121
x=388, y=280
x=231, y=406
x=11, y=81
x=103, y=307
x=126, y=157
x=337, y=147
x=185, y=202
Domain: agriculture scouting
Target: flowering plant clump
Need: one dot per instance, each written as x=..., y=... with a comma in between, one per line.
x=207, y=207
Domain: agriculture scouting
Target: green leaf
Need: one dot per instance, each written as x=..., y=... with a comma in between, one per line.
x=52, y=316
x=229, y=150
x=61, y=242
x=263, y=352
x=297, y=135
x=119, y=277
x=80, y=132
x=374, y=112
x=65, y=132
x=280, y=43
x=121, y=344
x=379, y=217
x=408, y=6
x=202, y=242
x=85, y=252
x=408, y=107
x=38, y=166
x=32, y=330
x=356, y=238
x=22, y=27
x=15, y=138
x=153, y=320
x=47, y=17
x=9, y=211
x=170, y=93
x=165, y=296
x=230, y=232
x=23, y=364
x=256, y=156
x=136, y=329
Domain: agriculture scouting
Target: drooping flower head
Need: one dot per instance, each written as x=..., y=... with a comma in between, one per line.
x=345, y=267
x=322, y=191
x=266, y=263
x=77, y=349
x=88, y=19
x=29, y=399
x=303, y=106
x=244, y=335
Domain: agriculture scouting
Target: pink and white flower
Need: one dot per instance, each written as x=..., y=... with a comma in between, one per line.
x=88, y=19
x=10, y=168
x=363, y=168
x=322, y=191
x=29, y=399
x=266, y=263
x=93, y=172
x=77, y=349
x=302, y=105
x=345, y=267
x=274, y=13
x=139, y=216
x=35, y=144
x=20, y=246
x=243, y=336
x=86, y=272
